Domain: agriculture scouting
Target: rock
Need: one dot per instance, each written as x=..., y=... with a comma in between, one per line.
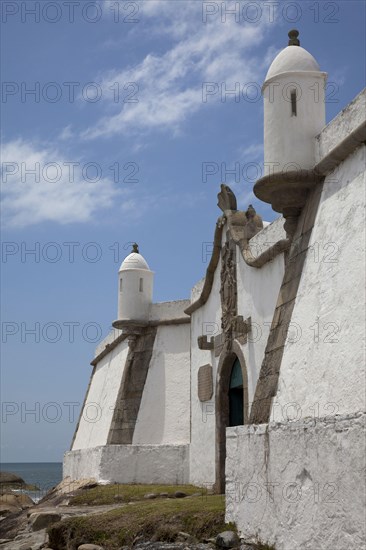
x=7, y=509
x=150, y=495
x=90, y=485
x=118, y=498
x=227, y=539
x=170, y=546
x=67, y=487
x=9, y=499
x=90, y=547
x=180, y=494
x=41, y=520
x=138, y=540
x=24, y=500
x=185, y=537
x=20, y=500
x=7, y=478
x=164, y=495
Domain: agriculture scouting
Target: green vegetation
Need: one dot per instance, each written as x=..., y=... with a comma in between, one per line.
x=160, y=519
x=110, y=494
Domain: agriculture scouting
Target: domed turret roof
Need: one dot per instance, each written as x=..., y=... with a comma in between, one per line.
x=292, y=58
x=134, y=261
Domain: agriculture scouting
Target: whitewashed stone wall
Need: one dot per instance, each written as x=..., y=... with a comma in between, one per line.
x=161, y=464
x=322, y=368
x=164, y=415
x=204, y=321
x=257, y=295
x=96, y=417
x=299, y=485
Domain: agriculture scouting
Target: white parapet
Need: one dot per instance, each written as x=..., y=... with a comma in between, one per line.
x=160, y=464
x=299, y=485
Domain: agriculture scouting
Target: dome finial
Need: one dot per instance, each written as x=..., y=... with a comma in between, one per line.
x=135, y=248
x=293, y=36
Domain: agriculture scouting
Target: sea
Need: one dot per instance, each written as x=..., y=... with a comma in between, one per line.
x=44, y=475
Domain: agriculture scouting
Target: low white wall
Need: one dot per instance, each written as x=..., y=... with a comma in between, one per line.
x=341, y=126
x=168, y=310
x=299, y=485
x=161, y=464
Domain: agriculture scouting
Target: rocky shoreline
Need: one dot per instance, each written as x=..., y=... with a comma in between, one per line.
x=28, y=526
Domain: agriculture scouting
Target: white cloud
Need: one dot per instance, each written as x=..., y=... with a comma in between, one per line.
x=66, y=133
x=54, y=193
x=253, y=152
x=170, y=84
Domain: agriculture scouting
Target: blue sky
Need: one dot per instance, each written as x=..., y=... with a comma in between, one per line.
x=118, y=132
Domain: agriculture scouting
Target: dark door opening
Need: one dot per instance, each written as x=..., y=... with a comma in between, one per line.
x=236, y=396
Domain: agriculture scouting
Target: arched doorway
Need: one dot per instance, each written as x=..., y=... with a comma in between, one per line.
x=231, y=405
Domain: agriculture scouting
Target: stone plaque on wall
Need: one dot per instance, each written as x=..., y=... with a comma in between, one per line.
x=205, y=383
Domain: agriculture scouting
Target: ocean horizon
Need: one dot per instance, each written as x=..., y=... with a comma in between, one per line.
x=44, y=475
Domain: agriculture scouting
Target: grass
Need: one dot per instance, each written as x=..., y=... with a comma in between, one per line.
x=105, y=494
x=202, y=517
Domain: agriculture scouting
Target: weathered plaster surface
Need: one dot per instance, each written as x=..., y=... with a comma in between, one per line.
x=109, y=339
x=164, y=415
x=289, y=141
x=257, y=294
x=204, y=321
x=323, y=361
x=299, y=485
x=98, y=410
x=168, y=310
x=162, y=464
x=341, y=126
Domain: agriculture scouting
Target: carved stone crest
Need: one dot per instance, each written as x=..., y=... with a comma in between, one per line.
x=228, y=291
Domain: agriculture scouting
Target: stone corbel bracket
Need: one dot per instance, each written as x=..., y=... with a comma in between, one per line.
x=242, y=328
x=204, y=344
x=287, y=193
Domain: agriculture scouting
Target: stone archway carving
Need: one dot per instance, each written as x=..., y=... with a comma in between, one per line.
x=222, y=406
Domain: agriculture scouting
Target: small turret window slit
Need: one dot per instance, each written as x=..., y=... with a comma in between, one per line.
x=293, y=103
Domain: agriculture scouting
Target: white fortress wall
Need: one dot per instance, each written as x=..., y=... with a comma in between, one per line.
x=96, y=417
x=322, y=369
x=164, y=415
x=257, y=295
x=204, y=321
x=298, y=482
